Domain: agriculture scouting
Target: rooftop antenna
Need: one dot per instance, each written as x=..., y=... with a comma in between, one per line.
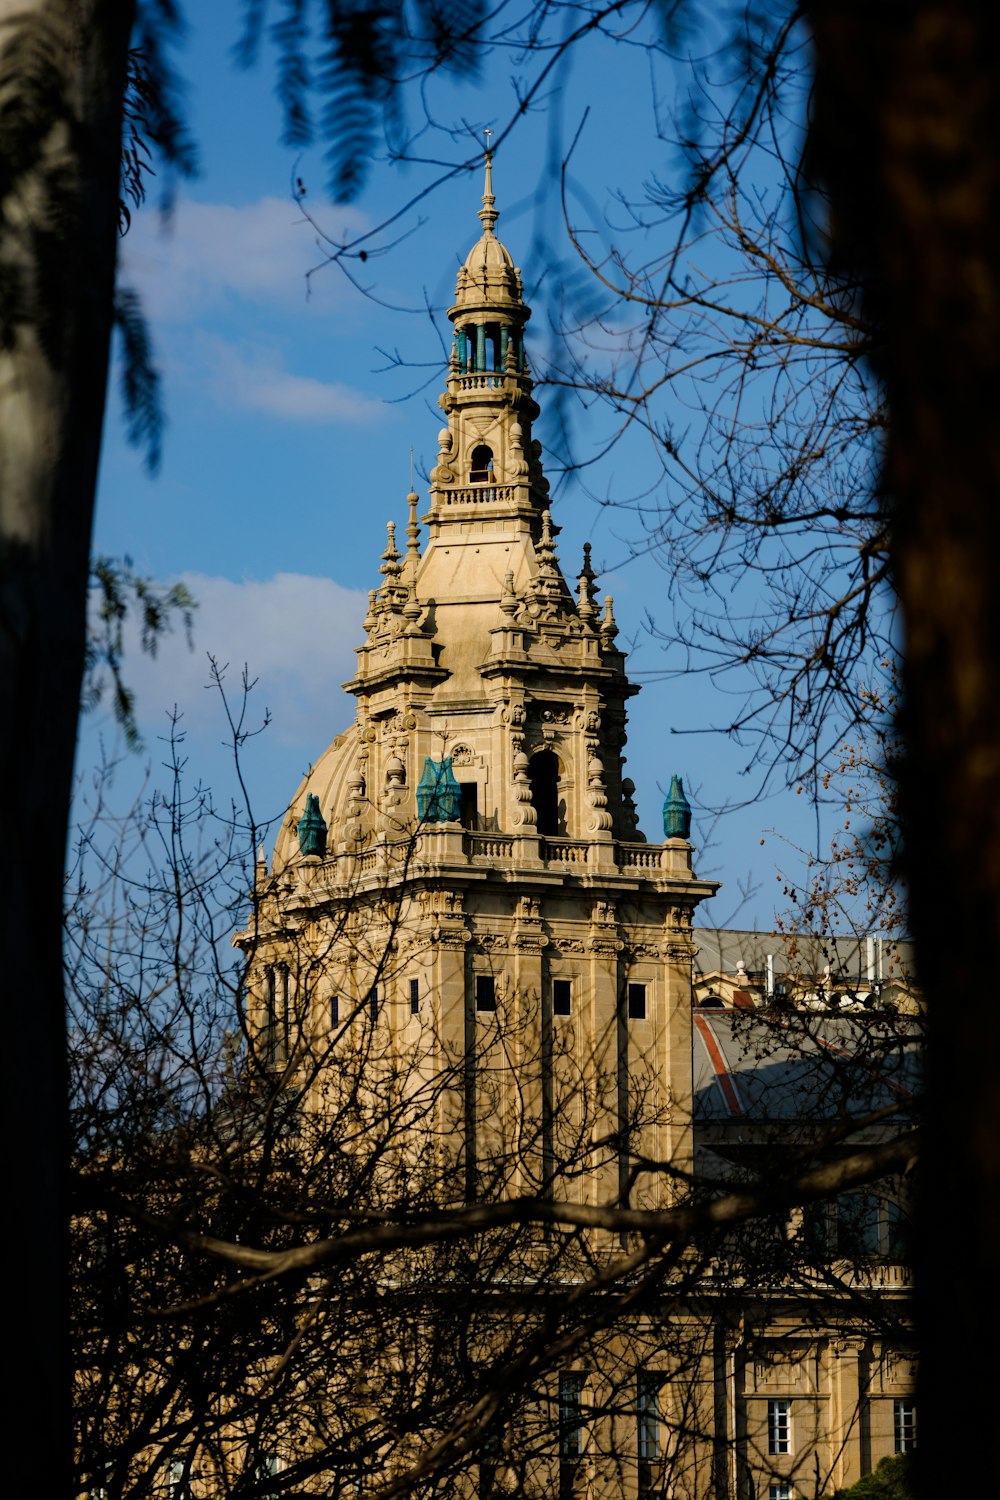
x=411, y=470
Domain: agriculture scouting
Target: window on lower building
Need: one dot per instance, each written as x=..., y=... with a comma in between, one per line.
x=373, y=1002
x=898, y=1232
x=486, y=992
x=562, y=996
x=414, y=996
x=571, y=1385
x=269, y=1467
x=100, y=1490
x=859, y=1225
x=334, y=1010
x=780, y=1489
x=277, y=1010
x=647, y=1411
x=637, y=1002
x=177, y=1486
x=779, y=1427
x=904, y=1426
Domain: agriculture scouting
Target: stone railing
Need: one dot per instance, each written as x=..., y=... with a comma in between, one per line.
x=879, y=1274
x=489, y=846
x=639, y=856
x=480, y=494
x=451, y=842
x=565, y=851
x=482, y=380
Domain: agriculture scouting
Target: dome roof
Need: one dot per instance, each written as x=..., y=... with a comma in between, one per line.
x=331, y=781
x=489, y=277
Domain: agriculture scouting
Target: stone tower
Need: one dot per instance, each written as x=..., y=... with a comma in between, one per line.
x=462, y=874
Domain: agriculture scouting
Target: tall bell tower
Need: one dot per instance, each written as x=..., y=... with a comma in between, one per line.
x=462, y=874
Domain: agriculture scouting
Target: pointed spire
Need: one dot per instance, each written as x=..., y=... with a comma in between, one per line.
x=609, y=625
x=588, y=591
x=545, y=547
x=390, y=557
x=488, y=214
x=412, y=528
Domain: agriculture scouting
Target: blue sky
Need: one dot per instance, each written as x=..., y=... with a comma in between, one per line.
x=293, y=406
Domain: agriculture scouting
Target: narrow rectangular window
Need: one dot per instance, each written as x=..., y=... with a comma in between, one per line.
x=904, y=1426
x=779, y=1427
x=270, y=1018
x=859, y=1224
x=334, y=1010
x=562, y=996
x=275, y=1038
x=286, y=1013
x=486, y=992
x=469, y=813
x=414, y=996
x=268, y=1468
x=177, y=1480
x=647, y=1409
x=571, y=1385
x=779, y=1489
x=637, y=1002
x=373, y=1002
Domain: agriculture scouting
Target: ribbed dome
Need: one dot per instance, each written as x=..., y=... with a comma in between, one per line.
x=489, y=278
x=331, y=781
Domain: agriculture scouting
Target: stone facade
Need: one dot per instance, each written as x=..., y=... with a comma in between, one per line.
x=461, y=893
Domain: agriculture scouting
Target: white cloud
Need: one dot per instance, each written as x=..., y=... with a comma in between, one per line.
x=294, y=633
x=211, y=253
x=253, y=377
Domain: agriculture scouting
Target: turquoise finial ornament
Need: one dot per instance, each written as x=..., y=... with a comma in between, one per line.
x=439, y=796
x=312, y=828
x=676, y=812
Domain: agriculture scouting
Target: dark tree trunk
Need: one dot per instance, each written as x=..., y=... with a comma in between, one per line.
x=907, y=137
x=62, y=75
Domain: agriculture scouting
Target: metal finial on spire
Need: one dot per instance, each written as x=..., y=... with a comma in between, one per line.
x=488, y=214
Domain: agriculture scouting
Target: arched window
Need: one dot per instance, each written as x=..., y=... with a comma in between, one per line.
x=543, y=773
x=481, y=469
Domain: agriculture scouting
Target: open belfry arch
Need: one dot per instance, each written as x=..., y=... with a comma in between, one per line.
x=461, y=882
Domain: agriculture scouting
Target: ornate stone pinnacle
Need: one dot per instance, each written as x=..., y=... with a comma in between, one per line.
x=588, y=592
x=508, y=599
x=390, y=557
x=609, y=627
x=488, y=214
x=546, y=546
x=412, y=611
x=413, y=532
